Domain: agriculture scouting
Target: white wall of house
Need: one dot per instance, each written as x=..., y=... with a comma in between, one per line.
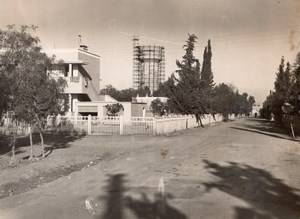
x=83, y=74
x=127, y=110
x=99, y=108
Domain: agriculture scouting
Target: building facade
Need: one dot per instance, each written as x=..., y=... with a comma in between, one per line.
x=81, y=70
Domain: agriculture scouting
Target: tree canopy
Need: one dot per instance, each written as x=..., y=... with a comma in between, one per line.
x=284, y=83
x=114, y=109
x=30, y=92
x=192, y=91
x=125, y=94
x=206, y=71
x=286, y=91
x=230, y=101
x=158, y=107
x=185, y=92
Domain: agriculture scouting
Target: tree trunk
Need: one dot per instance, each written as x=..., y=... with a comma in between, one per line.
x=214, y=116
x=42, y=143
x=198, y=117
x=200, y=122
x=31, y=143
x=13, y=145
x=42, y=138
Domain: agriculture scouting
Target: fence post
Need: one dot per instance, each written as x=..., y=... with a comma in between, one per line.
x=121, y=125
x=58, y=119
x=163, y=125
x=154, y=126
x=89, y=124
x=28, y=129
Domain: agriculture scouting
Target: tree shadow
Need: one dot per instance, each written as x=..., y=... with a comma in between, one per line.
x=114, y=197
x=4, y=144
x=268, y=197
x=60, y=141
x=51, y=141
x=145, y=207
x=267, y=125
x=259, y=132
x=264, y=127
x=260, y=120
x=159, y=208
x=248, y=213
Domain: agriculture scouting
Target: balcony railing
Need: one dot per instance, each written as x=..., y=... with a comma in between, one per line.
x=74, y=79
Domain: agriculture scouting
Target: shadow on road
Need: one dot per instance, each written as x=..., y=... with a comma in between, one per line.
x=263, y=127
x=259, y=132
x=61, y=141
x=144, y=207
x=114, y=198
x=268, y=197
x=51, y=141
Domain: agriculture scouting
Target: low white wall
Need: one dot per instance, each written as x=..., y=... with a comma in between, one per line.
x=138, y=125
x=165, y=125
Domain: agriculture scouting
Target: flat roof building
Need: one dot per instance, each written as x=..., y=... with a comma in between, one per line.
x=81, y=70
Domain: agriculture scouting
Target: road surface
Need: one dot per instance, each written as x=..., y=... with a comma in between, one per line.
x=238, y=170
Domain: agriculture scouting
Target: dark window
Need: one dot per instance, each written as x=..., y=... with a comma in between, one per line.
x=66, y=70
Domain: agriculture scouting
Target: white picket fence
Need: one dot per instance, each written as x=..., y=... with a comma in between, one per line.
x=93, y=125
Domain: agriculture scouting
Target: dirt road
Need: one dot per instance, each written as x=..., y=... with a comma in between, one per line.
x=238, y=170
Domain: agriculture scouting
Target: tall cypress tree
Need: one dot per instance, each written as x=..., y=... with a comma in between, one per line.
x=283, y=81
x=283, y=85
x=186, y=93
x=295, y=92
x=207, y=79
x=206, y=71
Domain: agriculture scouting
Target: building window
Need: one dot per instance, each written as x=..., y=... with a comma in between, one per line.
x=66, y=70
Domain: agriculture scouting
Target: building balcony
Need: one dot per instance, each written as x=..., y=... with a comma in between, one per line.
x=76, y=84
x=74, y=79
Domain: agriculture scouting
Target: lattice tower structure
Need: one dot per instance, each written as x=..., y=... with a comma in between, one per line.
x=148, y=66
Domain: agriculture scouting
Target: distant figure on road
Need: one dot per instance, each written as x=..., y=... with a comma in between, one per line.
x=255, y=115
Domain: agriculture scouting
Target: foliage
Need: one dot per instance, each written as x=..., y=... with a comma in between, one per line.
x=267, y=108
x=114, y=109
x=283, y=81
x=225, y=99
x=110, y=90
x=250, y=103
x=243, y=104
x=208, y=78
x=194, y=92
x=206, y=71
x=4, y=93
x=164, y=88
x=185, y=89
x=31, y=94
x=229, y=101
x=295, y=88
x=285, y=91
x=126, y=94
x=158, y=107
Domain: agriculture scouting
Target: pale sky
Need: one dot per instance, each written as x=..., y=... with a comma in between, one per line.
x=248, y=37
